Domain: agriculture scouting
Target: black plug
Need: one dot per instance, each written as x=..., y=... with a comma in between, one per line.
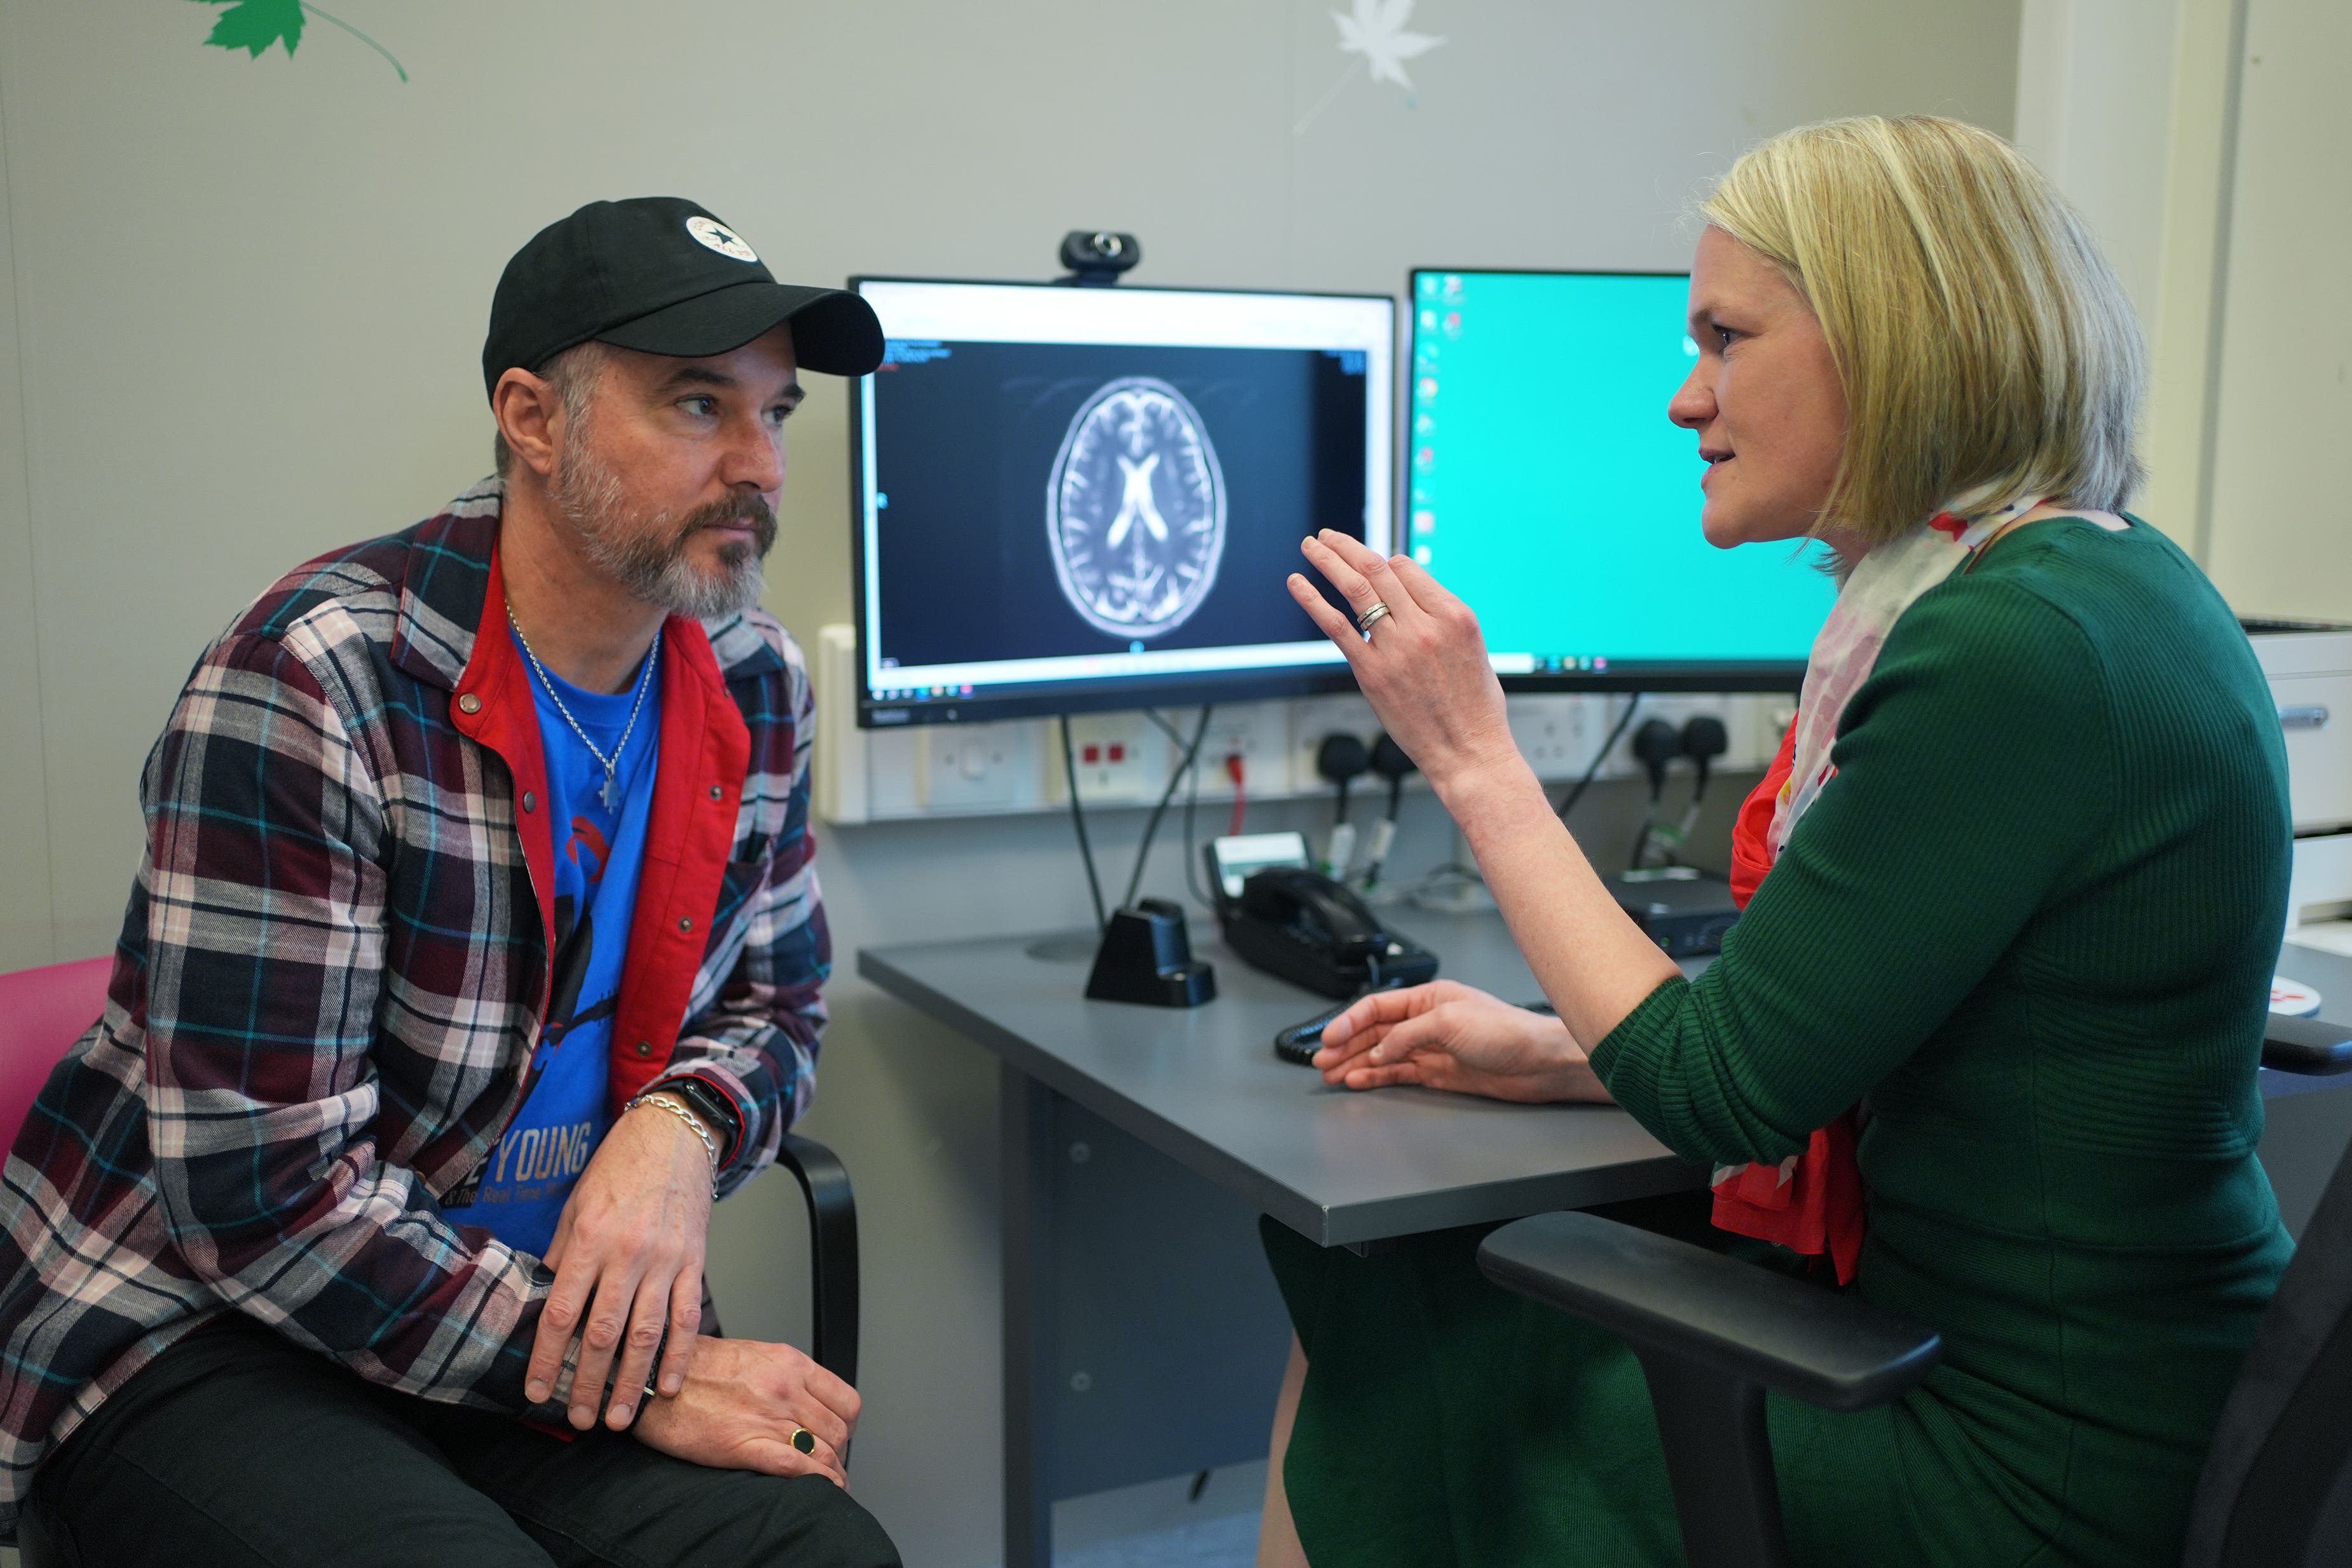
x=1655, y=746
x=1389, y=761
x=1341, y=758
x=1704, y=740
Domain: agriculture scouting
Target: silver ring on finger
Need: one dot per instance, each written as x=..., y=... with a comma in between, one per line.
x=1372, y=617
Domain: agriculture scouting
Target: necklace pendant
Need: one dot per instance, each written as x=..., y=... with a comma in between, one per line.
x=612, y=792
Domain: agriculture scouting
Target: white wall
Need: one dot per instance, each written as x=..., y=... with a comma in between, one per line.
x=2206, y=141
x=25, y=936
x=2117, y=103
x=2282, y=527
x=2094, y=111
x=248, y=298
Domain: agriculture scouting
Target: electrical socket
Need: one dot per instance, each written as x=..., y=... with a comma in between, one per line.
x=1257, y=733
x=1738, y=715
x=1550, y=733
x=973, y=766
x=1118, y=758
x=1311, y=721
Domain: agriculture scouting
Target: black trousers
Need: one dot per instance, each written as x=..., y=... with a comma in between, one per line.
x=238, y=1450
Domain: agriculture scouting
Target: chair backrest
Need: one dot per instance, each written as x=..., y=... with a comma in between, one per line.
x=2277, y=1487
x=42, y=1012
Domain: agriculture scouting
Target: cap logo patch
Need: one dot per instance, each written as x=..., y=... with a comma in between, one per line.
x=718, y=236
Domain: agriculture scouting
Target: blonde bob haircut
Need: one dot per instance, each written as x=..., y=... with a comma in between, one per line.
x=1982, y=340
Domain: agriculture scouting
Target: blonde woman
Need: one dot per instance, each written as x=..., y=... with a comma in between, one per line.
x=2022, y=875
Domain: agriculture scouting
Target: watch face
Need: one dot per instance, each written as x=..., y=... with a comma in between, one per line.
x=1135, y=509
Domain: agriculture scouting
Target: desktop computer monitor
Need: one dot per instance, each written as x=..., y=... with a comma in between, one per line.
x=1547, y=488
x=1071, y=498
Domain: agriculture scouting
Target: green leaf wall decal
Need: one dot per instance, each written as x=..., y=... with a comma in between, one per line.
x=254, y=24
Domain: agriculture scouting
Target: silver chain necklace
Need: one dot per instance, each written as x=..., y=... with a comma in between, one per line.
x=612, y=791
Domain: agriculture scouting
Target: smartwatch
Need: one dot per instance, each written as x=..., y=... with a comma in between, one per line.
x=707, y=1100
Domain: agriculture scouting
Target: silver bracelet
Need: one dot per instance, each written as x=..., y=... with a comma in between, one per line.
x=677, y=1108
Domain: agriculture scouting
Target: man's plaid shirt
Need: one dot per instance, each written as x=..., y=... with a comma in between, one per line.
x=334, y=967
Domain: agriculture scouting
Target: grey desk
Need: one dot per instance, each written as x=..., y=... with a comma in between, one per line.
x=1143, y=1337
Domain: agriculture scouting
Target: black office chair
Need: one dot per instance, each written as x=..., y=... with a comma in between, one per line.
x=833, y=1254
x=1713, y=1334
x=833, y=1325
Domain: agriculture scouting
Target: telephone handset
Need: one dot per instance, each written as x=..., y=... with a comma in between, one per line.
x=1303, y=926
x=1314, y=909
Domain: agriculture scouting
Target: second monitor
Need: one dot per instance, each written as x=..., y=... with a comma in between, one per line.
x=1547, y=488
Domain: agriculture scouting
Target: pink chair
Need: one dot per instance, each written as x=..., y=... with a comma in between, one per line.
x=42, y=1012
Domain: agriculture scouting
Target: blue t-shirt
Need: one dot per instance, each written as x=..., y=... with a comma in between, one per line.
x=598, y=852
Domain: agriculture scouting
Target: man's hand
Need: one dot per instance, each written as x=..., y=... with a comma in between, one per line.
x=1446, y=1035
x=740, y=1405
x=627, y=1258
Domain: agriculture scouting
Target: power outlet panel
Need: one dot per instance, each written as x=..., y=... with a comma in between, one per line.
x=1258, y=735
x=1120, y=756
x=1551, y=734
x=1739, y=724
x=940, y=770
x=976, y=767
x=1313, y=718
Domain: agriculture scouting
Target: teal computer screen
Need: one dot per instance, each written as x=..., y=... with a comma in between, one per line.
x=1547, y=488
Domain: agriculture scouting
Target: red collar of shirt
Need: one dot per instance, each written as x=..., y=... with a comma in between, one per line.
x=697, y=787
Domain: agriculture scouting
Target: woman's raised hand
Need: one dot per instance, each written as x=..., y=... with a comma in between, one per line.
x=1424, y=669
x=1445, y=1035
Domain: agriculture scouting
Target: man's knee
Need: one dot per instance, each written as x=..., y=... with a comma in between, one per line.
x=807, y=1520
x=685, y=1513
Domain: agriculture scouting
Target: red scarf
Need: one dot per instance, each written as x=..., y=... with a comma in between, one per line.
x=1812, y=1202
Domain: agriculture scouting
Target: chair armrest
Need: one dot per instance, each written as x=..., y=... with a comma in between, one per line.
x=832, y=1253
x=1714, y=1312
x=2306, y=1046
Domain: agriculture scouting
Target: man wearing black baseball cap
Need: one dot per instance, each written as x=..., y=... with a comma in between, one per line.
x=474, y=954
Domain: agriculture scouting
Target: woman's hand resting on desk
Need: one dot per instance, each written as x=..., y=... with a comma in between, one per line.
x=1445, y=1035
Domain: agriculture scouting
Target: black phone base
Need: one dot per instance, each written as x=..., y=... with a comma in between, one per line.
x=1146, y=956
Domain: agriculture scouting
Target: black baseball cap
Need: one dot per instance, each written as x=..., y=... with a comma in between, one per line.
x=660, y=274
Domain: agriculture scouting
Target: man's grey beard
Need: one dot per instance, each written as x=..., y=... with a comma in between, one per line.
x=649, y=559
